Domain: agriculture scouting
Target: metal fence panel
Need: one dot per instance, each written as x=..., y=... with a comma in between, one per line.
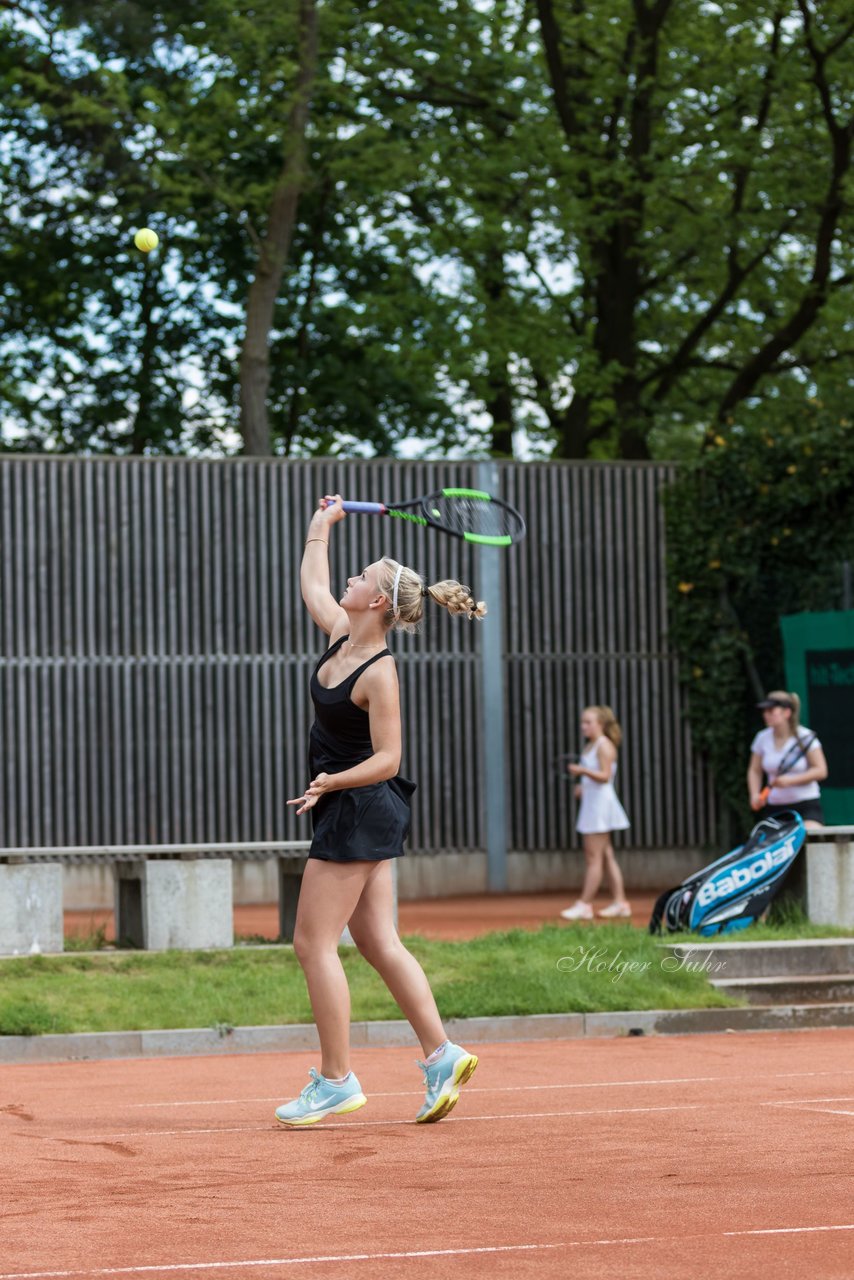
x=155, y=654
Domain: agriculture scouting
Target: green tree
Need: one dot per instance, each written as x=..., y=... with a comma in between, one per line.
x=649, y=203
x=258, y=313
x=90, y=331
x=607, y=225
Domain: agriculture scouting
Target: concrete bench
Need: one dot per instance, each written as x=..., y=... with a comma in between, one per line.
x=165, y=895
x=829, y=876
x=30, y=907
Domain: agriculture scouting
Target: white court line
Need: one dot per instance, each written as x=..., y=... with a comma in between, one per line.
x=777, y=1231
x=275, y=1262
x=811, y=1106
x=415, y=1093
x=360, y=1124
x=172, y=1268
x=470, y=1089
x=592, y=1084
x=814, y=1109
x=797, y=1102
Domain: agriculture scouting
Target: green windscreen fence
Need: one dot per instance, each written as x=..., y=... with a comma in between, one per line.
x=819, y=655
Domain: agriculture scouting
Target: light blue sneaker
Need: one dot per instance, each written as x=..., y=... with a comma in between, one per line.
x=443, y=1079
x=319, y=1099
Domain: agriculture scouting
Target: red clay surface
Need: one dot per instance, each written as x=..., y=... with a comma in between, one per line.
x=442, y=918
x=707, y=1156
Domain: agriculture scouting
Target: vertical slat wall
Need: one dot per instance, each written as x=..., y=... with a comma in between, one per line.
x=155, y=654
x=588, y=625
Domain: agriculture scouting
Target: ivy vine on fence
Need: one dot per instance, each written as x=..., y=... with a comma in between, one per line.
x=759, y=528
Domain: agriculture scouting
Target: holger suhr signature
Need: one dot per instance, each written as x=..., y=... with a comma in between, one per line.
x=615, y=966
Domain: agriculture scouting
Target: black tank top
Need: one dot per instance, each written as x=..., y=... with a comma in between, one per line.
x=341, y=733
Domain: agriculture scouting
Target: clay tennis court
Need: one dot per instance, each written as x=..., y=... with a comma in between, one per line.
x=446, y=919
x=703, y=1156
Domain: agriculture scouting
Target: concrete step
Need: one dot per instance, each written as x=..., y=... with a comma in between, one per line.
x=791, y=989
x=732, y=960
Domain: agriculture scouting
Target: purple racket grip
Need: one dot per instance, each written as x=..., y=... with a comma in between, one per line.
x=364, y=508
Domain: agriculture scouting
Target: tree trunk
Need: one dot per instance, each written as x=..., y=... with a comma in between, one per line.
x=616, y=284
x=573, y=428
x=274, y=249
x=142, y=432
x=302, y=351
x=499, y=398
x=499, y=406
x=815, y=294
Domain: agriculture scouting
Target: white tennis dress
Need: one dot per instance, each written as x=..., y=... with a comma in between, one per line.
x=600, y=810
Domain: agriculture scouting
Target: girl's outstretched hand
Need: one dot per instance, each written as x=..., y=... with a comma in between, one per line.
x=313, y=792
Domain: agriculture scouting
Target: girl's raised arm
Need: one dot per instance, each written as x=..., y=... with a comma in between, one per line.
x=314, y=570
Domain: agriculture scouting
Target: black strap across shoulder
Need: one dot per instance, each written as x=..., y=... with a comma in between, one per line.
x=351, y=679
x=348, y=682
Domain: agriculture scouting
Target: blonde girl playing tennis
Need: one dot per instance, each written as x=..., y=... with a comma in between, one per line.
x=599, y=813
x=359, y=805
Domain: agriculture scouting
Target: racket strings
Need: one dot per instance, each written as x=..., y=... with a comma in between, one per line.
x=477, y=516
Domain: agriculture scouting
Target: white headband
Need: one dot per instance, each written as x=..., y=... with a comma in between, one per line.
x=398, y=572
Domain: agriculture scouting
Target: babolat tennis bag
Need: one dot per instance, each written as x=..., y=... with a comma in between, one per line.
x=734, y=891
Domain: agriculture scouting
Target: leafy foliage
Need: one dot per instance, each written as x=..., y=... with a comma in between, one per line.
x=759, y=528
x=604, y=225
x=136, y=114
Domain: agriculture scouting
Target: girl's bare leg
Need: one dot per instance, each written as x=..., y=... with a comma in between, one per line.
x=328, y=897
x=614, y=874
x=594, y=854
x=372, y=929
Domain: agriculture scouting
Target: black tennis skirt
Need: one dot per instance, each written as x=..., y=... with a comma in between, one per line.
x=362, y=824
x=810, y=810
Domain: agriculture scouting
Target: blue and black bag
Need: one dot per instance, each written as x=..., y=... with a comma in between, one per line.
x=733, y=892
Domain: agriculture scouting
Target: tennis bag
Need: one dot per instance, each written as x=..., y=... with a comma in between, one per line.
x=733, y=892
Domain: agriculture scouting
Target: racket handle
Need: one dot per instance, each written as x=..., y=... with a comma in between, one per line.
x=364, y=508
x=761, y=799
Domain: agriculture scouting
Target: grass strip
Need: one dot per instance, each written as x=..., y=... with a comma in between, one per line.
x=556, y=969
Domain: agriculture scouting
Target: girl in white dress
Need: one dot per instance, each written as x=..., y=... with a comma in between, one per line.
x=599, y=813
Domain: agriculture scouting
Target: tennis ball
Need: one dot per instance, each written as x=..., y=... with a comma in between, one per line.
x=146, y=240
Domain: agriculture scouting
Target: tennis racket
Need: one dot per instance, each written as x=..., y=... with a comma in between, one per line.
x=791, y=757
x=469, y=514
x=559, y=766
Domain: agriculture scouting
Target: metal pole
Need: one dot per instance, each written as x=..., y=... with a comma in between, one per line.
x=490, y=589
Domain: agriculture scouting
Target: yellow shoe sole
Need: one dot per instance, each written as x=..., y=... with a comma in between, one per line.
x=464, y=1069
x=352, y=1104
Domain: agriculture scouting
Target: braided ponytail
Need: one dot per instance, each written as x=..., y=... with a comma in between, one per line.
x=406, y=593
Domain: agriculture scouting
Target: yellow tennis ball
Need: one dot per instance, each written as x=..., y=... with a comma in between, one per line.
x=146, y=240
